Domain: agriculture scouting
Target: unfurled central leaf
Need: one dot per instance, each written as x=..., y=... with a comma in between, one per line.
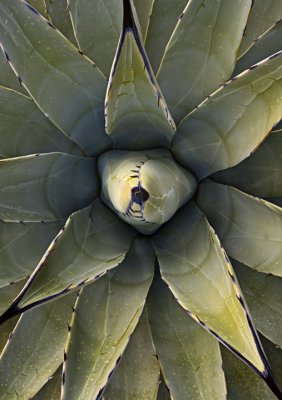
x=144, y=188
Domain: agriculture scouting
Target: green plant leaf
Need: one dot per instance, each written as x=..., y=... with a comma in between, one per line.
x=262, y=16
x=250, y=228
x=242, y=111
x=9, y=292
x=7, y=76
x=168, y=186
x=34, y=350
x=39, y=5
x=136, y=113
x=267, y=44
x=264, y=296
x=58, y=11
x=7, y=295
x=199, y=273
x=144, y=9
x=242, y=382
x=45, y=187
x=6, y=330
x=64, y=84
x=163, y=19
x=201, y=52
x=137, y=375
x=21, y=247
x=92, y=242
x=52, y=389
x=261, y=173
x=107, y=312
x=190, y=358
x=97, y=26
x=25, y=130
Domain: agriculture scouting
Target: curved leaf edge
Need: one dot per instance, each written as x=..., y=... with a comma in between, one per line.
x=227, y=83
x=14, y=309
x=267, y=374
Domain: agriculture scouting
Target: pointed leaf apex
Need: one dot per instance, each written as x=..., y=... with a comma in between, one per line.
x=133, y=89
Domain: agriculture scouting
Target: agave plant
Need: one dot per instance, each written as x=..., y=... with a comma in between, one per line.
x=139, y=152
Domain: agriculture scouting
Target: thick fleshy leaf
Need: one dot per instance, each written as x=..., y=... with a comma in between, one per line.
x=6, y=330
x=144, y=188
x=25, y=130
x=136, y=113
x=7, y=295
x=249, y=228
x=163, y=19
x=198, y=272
x=201, y=53
x=190, y=358
x=64, y=84
x=58, y=11
x=34, y=350
x=144, y=9
x=242, y=382
x=105, y=316
x=92, y=242
x=264, y=297
x=7, y=76
x=242, y=111
x=267, y=44
x=52, y=389
x=22, y=246
x=262, y=16
x=39, y=5
x=261, y=173
x=9, y=292
x=137, y=375
x=97, y=26
x=45, y=187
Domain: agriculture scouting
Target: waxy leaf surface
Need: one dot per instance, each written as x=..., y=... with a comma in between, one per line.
x=52, y=389
x=262, y=16
x=97, y=26
x=163, y=19
x=58, y=12
x=64, y=84
x=8, y=78
x=40, y=5
x=136, y=113
x=267, y=44
x=7, y=294
x=190, y=358
x=250, y=228
x=45, y=187
x=201, y=52
x=34, y=351
x=137, y=375
x=144, y=10
x=263, y=293
x=25, y=130
x=242, y=111
x=198, y=272
x=22, y=246
x=261, y=173
x=92, y=242
x=105, y=316
x=242, y=382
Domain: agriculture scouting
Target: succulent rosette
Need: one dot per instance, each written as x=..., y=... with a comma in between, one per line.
x=140, y=175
